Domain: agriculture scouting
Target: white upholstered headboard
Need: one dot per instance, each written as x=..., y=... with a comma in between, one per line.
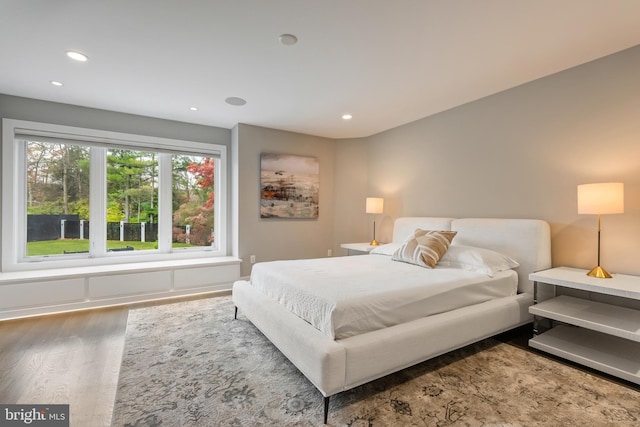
x=405, y=226
x=528, y=241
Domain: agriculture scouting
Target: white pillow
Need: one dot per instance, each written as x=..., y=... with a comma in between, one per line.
x=386, y=249
x=480, y=260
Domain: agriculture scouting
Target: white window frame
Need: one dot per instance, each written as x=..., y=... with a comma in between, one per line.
x=14, y=226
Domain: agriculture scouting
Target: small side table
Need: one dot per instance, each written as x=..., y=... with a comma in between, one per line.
x=357, y=248
x=599, y=335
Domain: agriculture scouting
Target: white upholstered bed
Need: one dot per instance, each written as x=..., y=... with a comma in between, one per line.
x=338, y=360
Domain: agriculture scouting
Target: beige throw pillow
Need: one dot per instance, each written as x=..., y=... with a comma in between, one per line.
x=425, y=247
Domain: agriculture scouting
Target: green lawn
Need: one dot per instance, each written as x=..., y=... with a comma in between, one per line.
x=59, y=247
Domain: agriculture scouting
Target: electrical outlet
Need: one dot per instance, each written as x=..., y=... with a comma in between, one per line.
x=252, y=259
x=329, y=252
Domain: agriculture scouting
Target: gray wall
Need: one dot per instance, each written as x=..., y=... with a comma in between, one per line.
x=521, y=153
x=13, y=107
x=272, y=239
x=351, y=191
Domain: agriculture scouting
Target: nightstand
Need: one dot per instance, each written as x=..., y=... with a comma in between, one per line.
x=599, y=335
x=357, y=248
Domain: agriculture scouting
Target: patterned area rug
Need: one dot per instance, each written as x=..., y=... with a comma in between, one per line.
x=191, y=364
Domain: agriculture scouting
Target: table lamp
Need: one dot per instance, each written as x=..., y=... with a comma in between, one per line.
x=599, y=199
x=374, y=206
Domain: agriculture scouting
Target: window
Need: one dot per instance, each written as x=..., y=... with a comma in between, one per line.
x=57, y=198
x=75, y=195
x=193, y=200
x=132, y=200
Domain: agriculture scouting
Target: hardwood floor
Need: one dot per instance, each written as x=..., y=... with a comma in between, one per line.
x=71, y=358
x=67, y=358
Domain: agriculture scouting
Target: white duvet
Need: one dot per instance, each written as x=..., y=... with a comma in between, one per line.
x=347, y=296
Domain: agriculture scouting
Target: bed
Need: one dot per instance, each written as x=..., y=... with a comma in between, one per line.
x=321, y=337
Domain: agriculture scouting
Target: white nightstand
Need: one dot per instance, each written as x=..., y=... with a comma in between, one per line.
x=599, y=335
x=361, y=248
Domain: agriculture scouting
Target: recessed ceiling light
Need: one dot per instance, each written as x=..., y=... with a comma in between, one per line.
x=55, y=83
x=193, y=108
x=347, y=117
x=77, y=55
x=288, y=39
x=232, y=100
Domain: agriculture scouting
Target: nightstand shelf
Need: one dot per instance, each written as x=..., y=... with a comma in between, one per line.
x=606, y=318
x=606, y=353
x=599, y=335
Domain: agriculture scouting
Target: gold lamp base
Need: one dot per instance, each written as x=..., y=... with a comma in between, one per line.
x=599, y=272
x=374, y=242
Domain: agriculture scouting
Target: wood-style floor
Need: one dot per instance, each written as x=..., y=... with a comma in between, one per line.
x=65, y=358
x=71, y=358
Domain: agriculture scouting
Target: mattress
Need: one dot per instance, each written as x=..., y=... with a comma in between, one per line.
x=348, y=296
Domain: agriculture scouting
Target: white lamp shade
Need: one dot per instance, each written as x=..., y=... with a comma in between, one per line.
x=374, y=205
x=601, y=198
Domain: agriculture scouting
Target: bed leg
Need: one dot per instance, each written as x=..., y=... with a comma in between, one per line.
x=235, y=314
x=326, y=408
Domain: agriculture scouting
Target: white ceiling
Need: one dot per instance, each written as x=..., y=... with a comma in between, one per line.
x=386, y=62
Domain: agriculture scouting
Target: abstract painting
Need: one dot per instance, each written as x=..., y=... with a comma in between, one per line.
x=289, y=186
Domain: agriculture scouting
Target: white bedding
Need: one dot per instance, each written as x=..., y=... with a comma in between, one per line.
x=347, y=296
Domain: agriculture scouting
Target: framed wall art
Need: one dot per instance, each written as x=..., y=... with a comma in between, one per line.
x=289, y=186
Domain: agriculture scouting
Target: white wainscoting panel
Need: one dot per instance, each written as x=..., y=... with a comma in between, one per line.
x=186, y=278
x=116, y=285
x=50, y=292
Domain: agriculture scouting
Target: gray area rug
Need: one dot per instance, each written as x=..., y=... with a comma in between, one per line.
x=191, y=364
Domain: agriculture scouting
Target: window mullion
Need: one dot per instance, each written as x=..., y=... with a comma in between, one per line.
x=220, y=205
x=98, y=202
x=165, y=220
x=20, y=200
